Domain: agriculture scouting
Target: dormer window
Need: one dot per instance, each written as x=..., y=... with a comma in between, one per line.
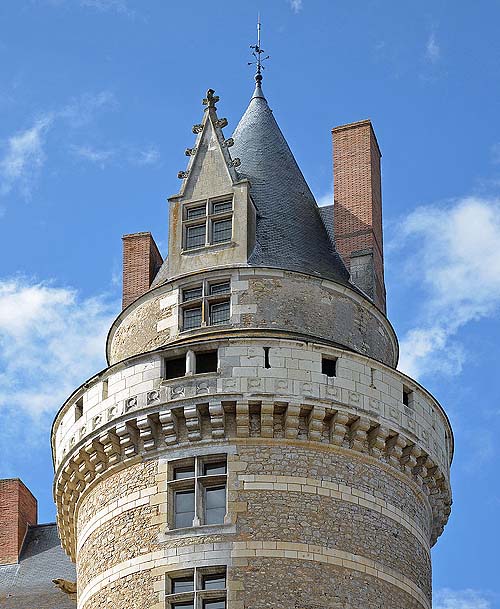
x=207, y=223
x=206, y=304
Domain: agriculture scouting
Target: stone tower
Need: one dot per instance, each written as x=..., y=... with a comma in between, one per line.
x=251, y=444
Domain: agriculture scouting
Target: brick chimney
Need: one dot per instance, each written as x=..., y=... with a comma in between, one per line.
x=358, y=207
x=18, y=509
x=141, y=261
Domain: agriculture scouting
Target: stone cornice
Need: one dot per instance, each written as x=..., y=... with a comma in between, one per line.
x=151, y=431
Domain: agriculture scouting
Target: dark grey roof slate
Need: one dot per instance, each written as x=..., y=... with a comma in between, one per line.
x=28, y=585
x=290, y=231
x=326, y=213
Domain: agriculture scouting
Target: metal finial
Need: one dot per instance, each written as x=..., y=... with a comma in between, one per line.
x=257, y=52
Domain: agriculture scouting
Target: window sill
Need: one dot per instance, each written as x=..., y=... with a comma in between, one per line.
x=207, y=327
x=209, y=247
x=203, y=529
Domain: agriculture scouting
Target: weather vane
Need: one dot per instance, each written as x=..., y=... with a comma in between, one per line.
x=257, y=52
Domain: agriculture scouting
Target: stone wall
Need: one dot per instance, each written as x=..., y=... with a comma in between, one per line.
x=291, y=304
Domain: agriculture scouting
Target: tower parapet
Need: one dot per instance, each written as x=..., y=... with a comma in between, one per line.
x=251, y=443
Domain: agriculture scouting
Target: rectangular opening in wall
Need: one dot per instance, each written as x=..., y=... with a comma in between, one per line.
x=407, y=396
x=78, y=408
x=329, y=366
x=105, y=389
x=175, y=367
x=266, y=358
x=206, y=361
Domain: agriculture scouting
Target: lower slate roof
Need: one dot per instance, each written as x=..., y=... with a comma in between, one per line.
x=28, y=584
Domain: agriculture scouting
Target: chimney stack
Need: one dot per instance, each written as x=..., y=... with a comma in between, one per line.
x=358, y=207
x=141, y=261
x=18, y=510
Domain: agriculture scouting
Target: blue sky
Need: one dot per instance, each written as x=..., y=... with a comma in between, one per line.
x=98, y=98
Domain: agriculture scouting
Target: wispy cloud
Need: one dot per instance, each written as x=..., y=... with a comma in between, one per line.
x=103, y=6
x=117, y=155
x=24, y=154
x=432, y=48
x=456, y=262
x=295, y=5
x=81, y=110
x=95, y=155
x=24, y=157
x=460, y=599
x=38, y=321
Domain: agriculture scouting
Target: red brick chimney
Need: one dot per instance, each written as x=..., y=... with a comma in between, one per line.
x=358, y=207
x=18, y=509
x=141, y=262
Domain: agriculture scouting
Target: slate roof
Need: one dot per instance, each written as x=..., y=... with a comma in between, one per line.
x=28, y=585
x=290, y=231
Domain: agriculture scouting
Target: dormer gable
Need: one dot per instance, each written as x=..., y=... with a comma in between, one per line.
x=212, y=219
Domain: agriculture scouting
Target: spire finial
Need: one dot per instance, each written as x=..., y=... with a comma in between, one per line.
x=257, y=52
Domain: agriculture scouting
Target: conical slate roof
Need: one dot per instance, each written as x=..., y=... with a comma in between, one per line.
x=290, y=231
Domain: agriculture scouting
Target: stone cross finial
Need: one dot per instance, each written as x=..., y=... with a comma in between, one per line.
x=210, y=100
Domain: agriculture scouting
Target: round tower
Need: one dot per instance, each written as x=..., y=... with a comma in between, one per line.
x=251, y=444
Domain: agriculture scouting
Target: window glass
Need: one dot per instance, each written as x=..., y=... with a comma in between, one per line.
x=214, y=582
x=188, y=605
x=215, y=505
x=192, y=318
x=219, y=313
x=222, y=206
x=195, y=212
x=192, y=293
x=195, y=236
x=214, y=604
x=220, y=288
x=184, y=509
x=212, y=469
x=182, y=584
x=183, y=472
x=222, y=230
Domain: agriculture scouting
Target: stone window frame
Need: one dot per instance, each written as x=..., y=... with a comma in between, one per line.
x=199, y=483
x=199, y=595
x=202, y=298
x=206, y=213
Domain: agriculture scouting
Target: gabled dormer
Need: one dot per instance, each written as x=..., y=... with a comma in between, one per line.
x=212, y=219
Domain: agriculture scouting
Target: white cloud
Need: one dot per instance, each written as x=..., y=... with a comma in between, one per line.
x=24, y=153
x=51, y=340
x=102, y=6
x=460, y=599
x=295, y=5
x=456, y=260
x=147, y=156
x=117, y=155
x=119, y=6
x=24, y=157
x=94, y=155
x=432, y=48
